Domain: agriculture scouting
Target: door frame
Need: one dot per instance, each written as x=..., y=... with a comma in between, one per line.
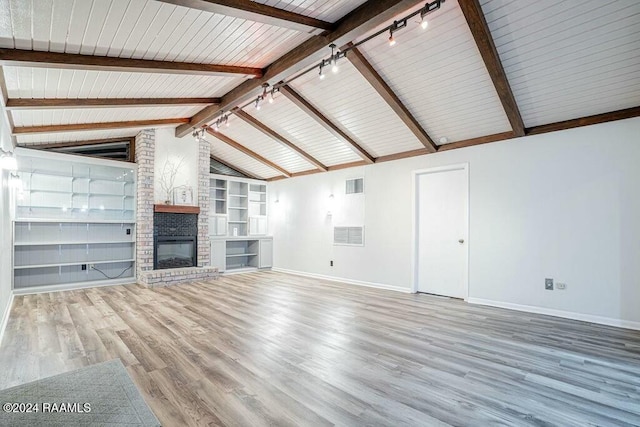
x=415, y=187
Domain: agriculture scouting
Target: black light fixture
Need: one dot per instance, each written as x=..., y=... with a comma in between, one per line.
x=198, y=134
x=332, y=61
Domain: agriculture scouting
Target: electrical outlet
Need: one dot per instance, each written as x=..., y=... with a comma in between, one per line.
x=561, y=286
x=548, y=284
x=84, y=267
x=331, y=263
x=128, y=231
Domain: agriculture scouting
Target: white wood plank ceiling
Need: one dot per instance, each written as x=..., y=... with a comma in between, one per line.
x=258, y=142
x=289, y=121
x=440, y=76
x=568, y=59
x=326, y=10
x=562, y=60
x=141, y=29
x=28, y=82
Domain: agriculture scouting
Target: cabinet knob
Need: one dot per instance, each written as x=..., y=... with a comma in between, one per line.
x=461, y=241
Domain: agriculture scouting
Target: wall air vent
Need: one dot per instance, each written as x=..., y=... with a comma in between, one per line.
x=353, y=236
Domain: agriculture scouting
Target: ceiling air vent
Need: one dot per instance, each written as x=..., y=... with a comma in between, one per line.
x=348, y=236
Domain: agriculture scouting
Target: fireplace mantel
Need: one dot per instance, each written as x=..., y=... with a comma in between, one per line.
x=176, y=209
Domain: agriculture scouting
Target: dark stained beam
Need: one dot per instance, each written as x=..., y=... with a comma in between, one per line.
x=247, y=151
x=32, y=58
x=132, y=150
x=364, y=18
x=377, y=82
x=82, y=143
x=97, y=126
x=313, y=112
x=482, y=35
x=247, y=118
x=57, y=103
x=233, y=167
x=627, y=113
x=314, y=171
x=252, y=11
x=477, y=141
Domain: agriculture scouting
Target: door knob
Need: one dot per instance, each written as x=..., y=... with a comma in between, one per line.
x=461, y=241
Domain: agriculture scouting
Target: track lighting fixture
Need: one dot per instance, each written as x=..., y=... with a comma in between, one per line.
x=332, y=61
x=198, y=134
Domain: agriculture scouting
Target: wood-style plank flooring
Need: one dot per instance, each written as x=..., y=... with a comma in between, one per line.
x=272, y=349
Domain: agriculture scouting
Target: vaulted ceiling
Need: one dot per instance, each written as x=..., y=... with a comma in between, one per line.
x=90, y=72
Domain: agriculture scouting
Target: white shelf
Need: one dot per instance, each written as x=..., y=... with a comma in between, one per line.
x=77, y=220
x=236, y=222
x=65, y=264
x=237, y=195
x=239, y=208
x=71, y=209
x=240, y=255
x=69, y=243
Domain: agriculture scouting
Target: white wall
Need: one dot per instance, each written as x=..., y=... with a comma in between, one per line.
x=183, y=151
x=564, y=205
x=5, y=228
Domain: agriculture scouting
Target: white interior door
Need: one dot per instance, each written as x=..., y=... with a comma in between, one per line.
x=441, y=231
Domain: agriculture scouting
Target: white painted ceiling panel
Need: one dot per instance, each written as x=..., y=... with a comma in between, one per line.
x=566, y=59
x=325, y=10
x=142, y=29
x=240, y=160
x=439, y=75
x=98, y=115
x=27, y=140
x=350, y=102
x=27, y=82
x=294, y=124
x=268, y=148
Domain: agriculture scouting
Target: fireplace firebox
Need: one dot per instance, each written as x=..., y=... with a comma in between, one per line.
x=175, y=243
x=175, y=252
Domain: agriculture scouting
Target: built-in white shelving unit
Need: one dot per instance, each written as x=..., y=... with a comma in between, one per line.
x=74, y=221
x=238, y=224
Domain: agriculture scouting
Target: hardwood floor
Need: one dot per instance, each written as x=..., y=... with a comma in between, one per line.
x=272, y=349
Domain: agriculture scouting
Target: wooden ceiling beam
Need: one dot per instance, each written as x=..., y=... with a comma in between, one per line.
x=235, y=168
x=32, y=58
x=364, y=18
x=230, y=142
x=626, y=113
x=255, y=123
x=59, y=103
x=313, y=112
x=477, y=141
x=367, y=71
x=482, y=35
x=252, y=11
x=97, y=126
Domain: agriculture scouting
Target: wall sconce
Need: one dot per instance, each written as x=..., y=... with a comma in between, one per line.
x=8, y=161
x=330, y=205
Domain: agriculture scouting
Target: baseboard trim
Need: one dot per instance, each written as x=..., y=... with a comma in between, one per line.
x=5, y=317
x=73, y=286
x=343, y=280
x=608, y=321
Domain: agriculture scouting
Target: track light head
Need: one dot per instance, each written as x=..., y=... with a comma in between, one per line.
x=258, y=103
x=321, y=74
x=392, y=41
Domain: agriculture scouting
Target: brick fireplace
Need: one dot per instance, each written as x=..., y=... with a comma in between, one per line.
x=146, y=244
